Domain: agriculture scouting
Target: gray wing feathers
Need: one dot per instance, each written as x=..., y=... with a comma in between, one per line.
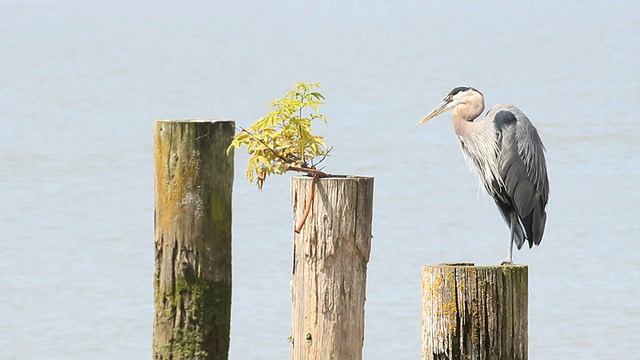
x=523, y=170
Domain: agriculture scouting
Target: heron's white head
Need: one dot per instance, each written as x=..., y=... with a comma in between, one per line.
x=460, y=95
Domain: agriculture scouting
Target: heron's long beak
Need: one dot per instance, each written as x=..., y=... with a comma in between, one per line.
x=437, y=111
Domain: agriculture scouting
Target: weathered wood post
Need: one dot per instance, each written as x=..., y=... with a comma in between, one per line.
x=193, y=184
x=474, y=312
x=330, y=256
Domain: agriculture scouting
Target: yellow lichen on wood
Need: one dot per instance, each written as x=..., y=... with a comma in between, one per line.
x=193, y=182
x=474, y=312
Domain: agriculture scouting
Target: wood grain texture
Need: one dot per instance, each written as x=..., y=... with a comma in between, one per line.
x=193, y=185
x=474, y=312
x=330, y=256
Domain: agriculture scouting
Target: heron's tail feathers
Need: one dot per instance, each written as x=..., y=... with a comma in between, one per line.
x=514, y=222
x=534, y=225
x=519, y=234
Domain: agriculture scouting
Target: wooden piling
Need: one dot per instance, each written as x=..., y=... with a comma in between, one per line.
x=193, y=185
x=330, y=256
x=474, y=312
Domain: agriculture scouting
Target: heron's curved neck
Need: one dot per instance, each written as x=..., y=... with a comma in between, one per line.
x=464, y=114
x=468, y=112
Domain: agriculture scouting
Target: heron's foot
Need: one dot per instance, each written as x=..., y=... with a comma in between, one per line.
x=506, y=262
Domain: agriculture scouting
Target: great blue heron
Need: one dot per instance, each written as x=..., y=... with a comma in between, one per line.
x=506, y=152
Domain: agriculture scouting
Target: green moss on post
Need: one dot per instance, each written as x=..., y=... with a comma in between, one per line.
x=193, y=182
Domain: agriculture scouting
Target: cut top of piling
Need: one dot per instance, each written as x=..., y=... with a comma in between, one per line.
x=194, y=120
x=472, y=265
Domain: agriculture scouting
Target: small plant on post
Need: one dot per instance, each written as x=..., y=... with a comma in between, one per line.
x=282, y=140
x=331, y=251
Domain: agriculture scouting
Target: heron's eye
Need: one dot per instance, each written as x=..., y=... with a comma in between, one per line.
x=448, y=98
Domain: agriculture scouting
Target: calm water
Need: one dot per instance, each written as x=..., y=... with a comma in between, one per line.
x=81, y=83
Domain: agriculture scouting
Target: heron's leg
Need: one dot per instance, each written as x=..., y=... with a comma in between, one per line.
x=512, y=238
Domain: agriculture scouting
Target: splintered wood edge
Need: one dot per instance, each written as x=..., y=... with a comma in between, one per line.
x=332, y=177
x=471, y=265
x=195, y=120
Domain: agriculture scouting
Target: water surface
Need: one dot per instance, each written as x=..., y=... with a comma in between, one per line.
x=81, y=83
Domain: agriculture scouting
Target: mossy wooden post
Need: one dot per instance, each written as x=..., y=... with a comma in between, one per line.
x=474, y=312
x=193, y=184
x=330, y=256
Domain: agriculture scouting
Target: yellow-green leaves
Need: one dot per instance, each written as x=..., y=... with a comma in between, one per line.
x=283, y=137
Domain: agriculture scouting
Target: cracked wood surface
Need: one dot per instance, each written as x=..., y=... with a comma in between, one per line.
x=474, y=312
x=330, y=256
x=193, y=185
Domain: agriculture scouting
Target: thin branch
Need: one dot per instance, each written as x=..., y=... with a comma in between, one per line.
x=324, y=156
x=307, y=207
x=307, y=170
x=273, y=151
